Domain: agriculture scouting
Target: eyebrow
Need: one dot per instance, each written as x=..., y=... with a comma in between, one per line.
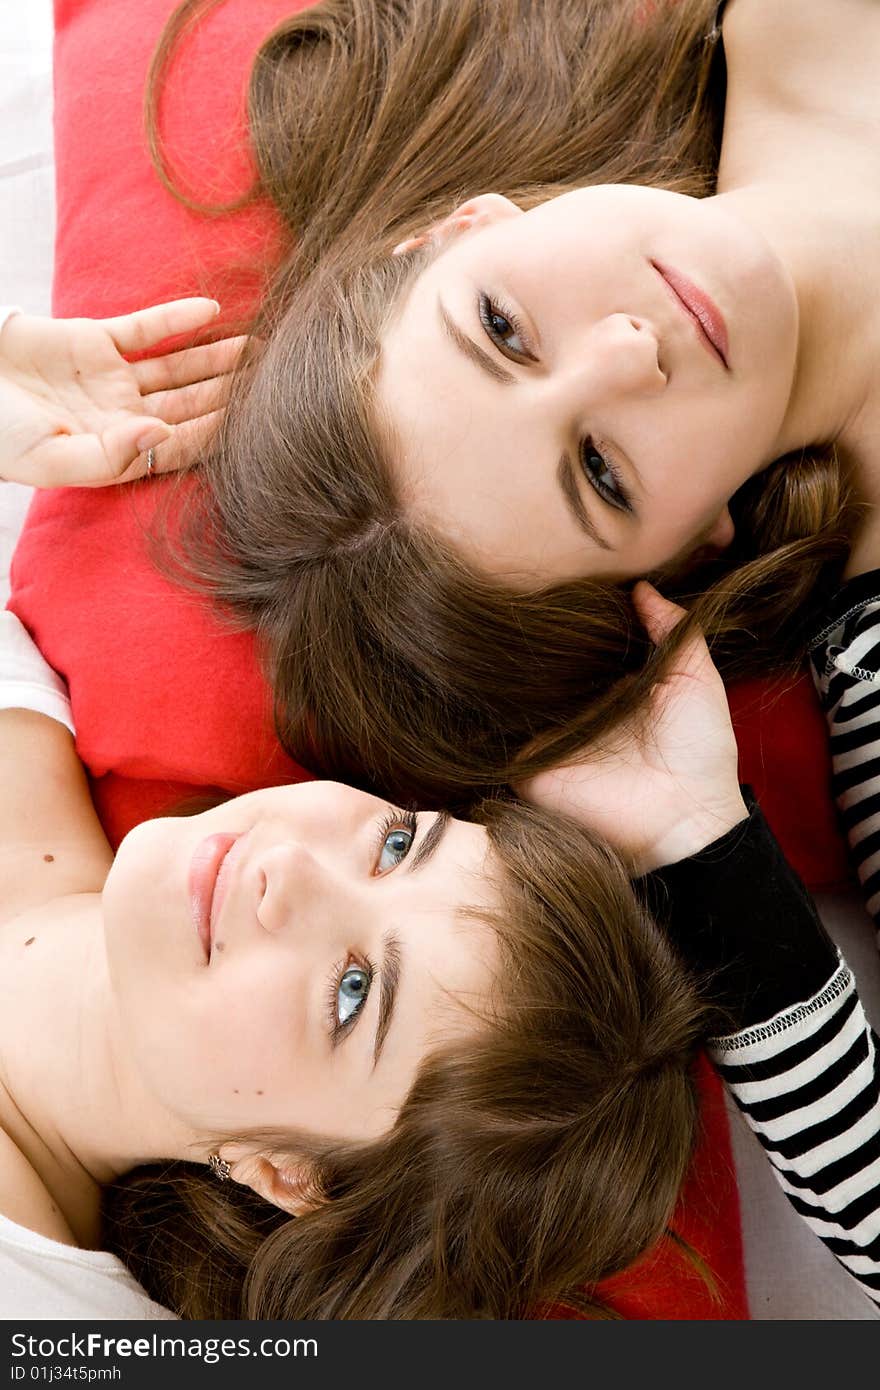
x=389, y=982
x=429, y=842
x=570, y=491
x=389, y=974
x=488, y=364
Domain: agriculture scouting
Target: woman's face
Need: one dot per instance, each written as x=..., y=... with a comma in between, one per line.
x=555, y=409
x=286, y=960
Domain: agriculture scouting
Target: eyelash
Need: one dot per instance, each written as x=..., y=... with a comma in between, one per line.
x=394, y=819
x=487, y=309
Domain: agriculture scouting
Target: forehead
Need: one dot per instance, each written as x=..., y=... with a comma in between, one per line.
x=450, y=958
x=450, y=951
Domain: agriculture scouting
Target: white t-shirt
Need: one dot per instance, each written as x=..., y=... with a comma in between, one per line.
x=42, y=1279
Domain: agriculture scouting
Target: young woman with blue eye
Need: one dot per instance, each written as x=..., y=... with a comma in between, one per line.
x=242, y=1051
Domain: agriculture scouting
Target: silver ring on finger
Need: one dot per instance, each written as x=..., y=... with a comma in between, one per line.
x=151, y=463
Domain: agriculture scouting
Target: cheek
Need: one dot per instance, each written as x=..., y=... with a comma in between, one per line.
x=221, y=1046
x=224, y=1054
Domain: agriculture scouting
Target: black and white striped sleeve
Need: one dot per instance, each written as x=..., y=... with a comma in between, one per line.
x=845, y=664
x=798, y=1054
x=807, y=1080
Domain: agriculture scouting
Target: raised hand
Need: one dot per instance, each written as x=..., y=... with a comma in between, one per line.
x=74, y=412
x=665, y=789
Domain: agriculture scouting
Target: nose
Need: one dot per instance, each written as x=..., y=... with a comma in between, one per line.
x=620, y=357
x=293, y=883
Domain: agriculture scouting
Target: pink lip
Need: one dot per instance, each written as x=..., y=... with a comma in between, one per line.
x=206, y=887
x=701, y=309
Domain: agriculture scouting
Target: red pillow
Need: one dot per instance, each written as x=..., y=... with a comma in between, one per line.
x=167, y=702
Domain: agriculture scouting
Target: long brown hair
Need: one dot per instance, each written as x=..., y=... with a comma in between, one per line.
x=393, y=663
x=526, y=1164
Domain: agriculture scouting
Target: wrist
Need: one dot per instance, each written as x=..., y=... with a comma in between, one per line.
x=694, y=833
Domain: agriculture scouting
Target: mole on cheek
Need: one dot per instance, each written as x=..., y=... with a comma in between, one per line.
x=48, y=858
x=219, y=946
x=30, y=941
x=259, y=1093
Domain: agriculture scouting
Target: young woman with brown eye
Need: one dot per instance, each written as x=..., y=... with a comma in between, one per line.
x=512, y=365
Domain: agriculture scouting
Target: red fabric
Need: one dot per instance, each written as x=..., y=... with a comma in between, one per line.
x=167, y=702
x=784, y=755
x=665, y=1283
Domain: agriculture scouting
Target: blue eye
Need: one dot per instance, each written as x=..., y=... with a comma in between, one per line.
x=395, y=840
x=351, y=993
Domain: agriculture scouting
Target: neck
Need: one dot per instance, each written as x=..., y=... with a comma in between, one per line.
x=798, y=163
x=70, y=1099
x=827, y=246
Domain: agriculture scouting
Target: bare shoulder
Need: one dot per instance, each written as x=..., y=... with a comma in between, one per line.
x=51, y=843
x=818, y=54
x=24, y=1199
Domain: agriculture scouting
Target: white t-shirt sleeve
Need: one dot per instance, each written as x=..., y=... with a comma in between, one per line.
x=27, y=681
x=42, y=1280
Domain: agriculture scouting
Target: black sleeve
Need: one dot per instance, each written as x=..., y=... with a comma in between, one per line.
x=738, y=913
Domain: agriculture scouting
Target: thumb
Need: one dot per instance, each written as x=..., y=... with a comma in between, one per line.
x=125, y=443
x=658, y=616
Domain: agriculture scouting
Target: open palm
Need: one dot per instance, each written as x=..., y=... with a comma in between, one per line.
x=666, y=789
x=74, y=412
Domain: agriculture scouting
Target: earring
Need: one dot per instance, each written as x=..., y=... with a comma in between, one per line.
x=219, y=1167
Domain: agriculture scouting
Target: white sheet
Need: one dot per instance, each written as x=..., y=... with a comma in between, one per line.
x=27, y=196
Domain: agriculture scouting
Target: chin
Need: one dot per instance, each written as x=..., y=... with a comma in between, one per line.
x=134, y=895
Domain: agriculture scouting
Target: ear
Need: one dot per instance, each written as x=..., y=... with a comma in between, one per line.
x=281, y=1179
x=482, y=211
x=722, y=532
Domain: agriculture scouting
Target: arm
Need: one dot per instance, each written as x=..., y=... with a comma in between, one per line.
x=51, y=842
x=797, y=1052
x=799, y=1055
x=845, y=664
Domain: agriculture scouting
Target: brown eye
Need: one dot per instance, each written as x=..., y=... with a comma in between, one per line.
x=603, y=476
x=503, y=329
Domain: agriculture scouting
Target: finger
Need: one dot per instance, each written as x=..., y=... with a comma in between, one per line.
x=95, y=460
x=189, y=402
x=658, y=615
x=188, y=366
x=186, y=448
x=145, y=327
x=660, y=618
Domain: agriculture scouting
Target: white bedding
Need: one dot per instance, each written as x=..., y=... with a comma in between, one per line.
x=27, y=194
